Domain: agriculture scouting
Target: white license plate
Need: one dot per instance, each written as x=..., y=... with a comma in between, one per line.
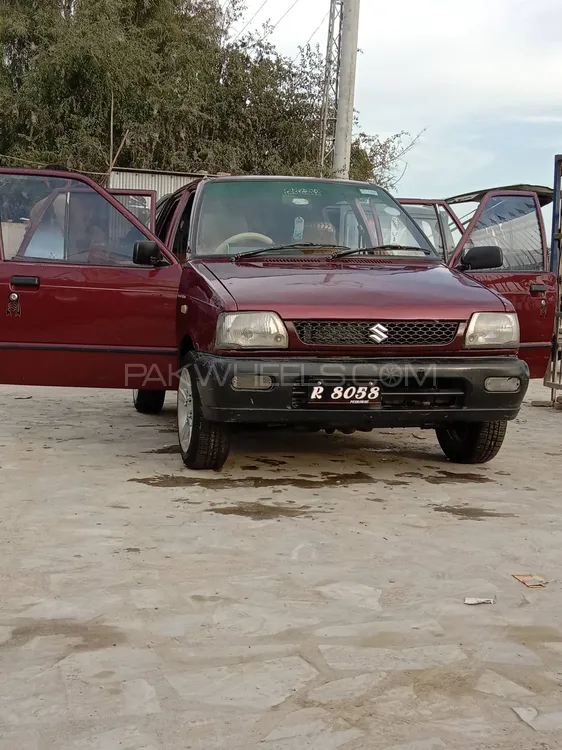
x=346, y=395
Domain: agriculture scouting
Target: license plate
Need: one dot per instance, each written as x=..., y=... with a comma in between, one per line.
x=344, y=395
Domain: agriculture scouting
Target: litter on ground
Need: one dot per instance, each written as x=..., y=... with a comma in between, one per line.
x=531, y=581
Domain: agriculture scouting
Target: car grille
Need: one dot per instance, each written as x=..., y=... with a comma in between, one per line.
x=358, y=332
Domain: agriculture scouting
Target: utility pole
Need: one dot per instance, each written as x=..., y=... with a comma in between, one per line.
x=330, y=95
x=346, y=87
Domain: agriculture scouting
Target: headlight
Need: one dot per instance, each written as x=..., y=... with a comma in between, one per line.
x=251, y=330
x=493, y=331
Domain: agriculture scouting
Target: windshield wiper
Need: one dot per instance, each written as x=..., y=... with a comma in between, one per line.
x=295, y=245
x=378, y=248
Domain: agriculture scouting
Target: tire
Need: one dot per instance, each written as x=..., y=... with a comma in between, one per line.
x=204, y=445
x=149, y=402
x=469, y=443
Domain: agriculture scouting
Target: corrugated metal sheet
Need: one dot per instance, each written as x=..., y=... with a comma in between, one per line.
x=163, y=183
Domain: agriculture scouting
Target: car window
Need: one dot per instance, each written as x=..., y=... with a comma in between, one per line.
x=164, y=215
x=452, y=233
x=235, y=216
x=180, y=240
x=139, y=205
x=511, y=222
x=64, y=220
x=426, y=216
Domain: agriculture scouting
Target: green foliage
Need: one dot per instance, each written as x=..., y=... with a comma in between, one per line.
x=187, y=94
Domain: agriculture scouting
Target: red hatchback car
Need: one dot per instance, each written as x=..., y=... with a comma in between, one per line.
x=274, y=301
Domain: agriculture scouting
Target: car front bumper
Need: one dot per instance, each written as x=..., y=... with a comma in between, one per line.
x=415, y=392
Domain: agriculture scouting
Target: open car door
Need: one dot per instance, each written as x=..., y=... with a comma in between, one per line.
x=141, y=203
x=77, y=309
x=510, y=219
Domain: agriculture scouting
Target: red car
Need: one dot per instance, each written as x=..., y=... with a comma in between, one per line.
x=275, y=301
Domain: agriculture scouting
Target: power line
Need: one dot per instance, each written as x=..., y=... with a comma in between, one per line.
x=258, y=11
x=273, y=28
x=316, y=30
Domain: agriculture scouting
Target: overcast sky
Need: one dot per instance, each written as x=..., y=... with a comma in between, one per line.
x=484, y=78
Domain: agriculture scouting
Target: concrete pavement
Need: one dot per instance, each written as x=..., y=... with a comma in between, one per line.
x=310, y=597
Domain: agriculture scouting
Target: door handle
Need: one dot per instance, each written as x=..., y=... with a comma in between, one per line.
x=27, y=281
x=536, y=288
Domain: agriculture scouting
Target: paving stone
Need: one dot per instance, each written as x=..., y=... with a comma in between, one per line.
x=349, y=687
x=310, y=736
x=504, y=652
x=382, y=659
x=212, y=600
x=261, y=620
x=123, y=738
x=149, y=598
x=117, y=664
x=396, y=698
x=366, y=629
x=254, y=685
x=554, y=646
x=196, y=653
x=548, y=721
x=433, y=744
x=139, y=697
x=353, y=594
x=5, y=634
x=24, y=739
x=494, y=684
x=300, y=724
x=31, y=701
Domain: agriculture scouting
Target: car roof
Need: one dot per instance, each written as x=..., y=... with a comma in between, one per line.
x=289, y=178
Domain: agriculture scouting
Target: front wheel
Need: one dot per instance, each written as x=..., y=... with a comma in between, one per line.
x=149, y=402
x=203, y=444
x=472, y=443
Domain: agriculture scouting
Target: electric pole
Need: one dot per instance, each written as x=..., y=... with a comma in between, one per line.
x=330, y=94
x=346, y=87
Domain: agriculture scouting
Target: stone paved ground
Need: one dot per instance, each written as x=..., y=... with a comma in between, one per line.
x=309, y=598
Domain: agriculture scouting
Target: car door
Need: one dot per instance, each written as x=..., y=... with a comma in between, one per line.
x=76, y=310
x=438, y=222
x=512, y=220
x=141, y=203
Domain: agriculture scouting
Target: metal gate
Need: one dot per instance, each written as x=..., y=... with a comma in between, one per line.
x=553, y=378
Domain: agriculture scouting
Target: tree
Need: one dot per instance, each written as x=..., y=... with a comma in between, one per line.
x=188, y=94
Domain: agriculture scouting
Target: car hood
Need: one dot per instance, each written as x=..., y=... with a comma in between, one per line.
x=350, y=290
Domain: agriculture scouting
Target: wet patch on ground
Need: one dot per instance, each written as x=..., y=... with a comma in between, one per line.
x=271, y=462
x=166, y=450
x=94, y=636
x=262, y=511
x=325, y=479
x=397, y=454
x=396, y=483
x=451, y=477
x=469, y=513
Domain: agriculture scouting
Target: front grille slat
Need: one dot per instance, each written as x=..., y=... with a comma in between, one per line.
x=358, y=332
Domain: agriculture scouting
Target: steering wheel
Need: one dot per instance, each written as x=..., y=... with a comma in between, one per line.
x=223, y=247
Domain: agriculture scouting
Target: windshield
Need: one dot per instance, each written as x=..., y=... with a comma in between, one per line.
x=299, y=217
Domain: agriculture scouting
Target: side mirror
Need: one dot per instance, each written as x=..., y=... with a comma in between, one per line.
x=147, y=253
x=481, y=258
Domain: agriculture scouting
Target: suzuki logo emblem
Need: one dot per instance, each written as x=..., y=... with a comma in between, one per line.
x=379, y=333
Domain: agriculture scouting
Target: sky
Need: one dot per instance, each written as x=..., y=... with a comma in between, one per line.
x=481, y=78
